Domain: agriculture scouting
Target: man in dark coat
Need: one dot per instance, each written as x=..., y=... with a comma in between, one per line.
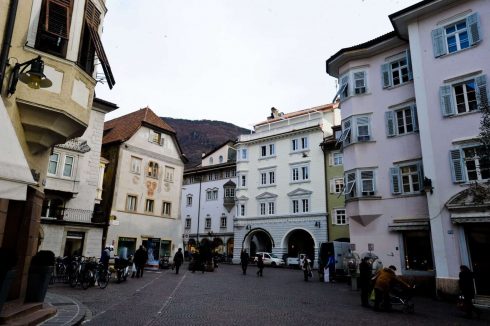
x=365, y=280
x=244, y=257
x=178, y=260
x=140, y=258
x=467, y=287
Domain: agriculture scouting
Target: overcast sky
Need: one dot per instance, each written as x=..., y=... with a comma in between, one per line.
x=232, y=60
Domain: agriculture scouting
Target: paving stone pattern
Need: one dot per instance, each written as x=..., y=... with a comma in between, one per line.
x=226, y=297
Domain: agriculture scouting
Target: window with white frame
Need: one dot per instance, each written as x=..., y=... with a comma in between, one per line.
x=356, y=129
x=241, y=209
x=152, y=171
x=352, y=83
x=336, y=158
x=300, y=172
x=220, y=159
x=166, y=208
x=207, y=224
x=242, y=179
x=188, y=222
x=68, y=166
x=467, y=95
x=406, y=178
x=189, y=200
x=155, y=137
x=359, y=183
x=229, y=192
x=169, y=174
x=223, y=222
x=456, y=36
x=299, y=144
x=339, y=217
x=300, y=205
x=267, y=207
x=267, y=150
x=267, y=177
x=397, y=71
x=149, y=205
x=469, y=163
x=131, y=202
x=53, y=163
x=135, y=164
x=336, y=185
x=212, y=194
x=243, y=154
x=401, y=121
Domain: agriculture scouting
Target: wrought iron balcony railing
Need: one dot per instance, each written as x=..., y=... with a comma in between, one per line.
x=72, y=215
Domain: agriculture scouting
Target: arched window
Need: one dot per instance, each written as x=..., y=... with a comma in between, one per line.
x=210, y=160
x=221, y=158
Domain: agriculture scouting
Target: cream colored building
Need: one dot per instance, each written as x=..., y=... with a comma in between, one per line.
x=60, y=39
x=143, y=184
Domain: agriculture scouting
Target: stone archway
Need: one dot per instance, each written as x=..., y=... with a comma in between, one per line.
x=299, y=241
x=258, y=240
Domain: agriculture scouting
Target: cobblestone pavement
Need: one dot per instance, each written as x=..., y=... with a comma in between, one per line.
x=226, y=297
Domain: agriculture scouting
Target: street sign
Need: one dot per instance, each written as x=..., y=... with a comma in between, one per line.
x=370, y=246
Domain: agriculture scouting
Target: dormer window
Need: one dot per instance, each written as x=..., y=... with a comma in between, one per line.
x=156, y=138
x=54, y=27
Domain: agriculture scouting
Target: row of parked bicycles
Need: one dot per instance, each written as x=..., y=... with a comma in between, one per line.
x=83, y=271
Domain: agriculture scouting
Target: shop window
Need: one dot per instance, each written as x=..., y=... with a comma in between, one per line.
x=418, y=251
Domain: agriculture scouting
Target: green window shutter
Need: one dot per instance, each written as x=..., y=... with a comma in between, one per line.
x=438, y=42
x=386, y=75
x=446, y=99
x=473, y=23
x=409, y=64
x=415, y=118
x=390, y=123
x=481, y=91
x=395, y=181
x=457, y=165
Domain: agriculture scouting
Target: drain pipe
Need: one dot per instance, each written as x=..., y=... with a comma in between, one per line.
x=7, y=39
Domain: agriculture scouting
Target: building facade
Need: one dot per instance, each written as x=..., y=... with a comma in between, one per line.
x=280, y=195
x=51, y=47
x=70, y=218
x=208, y=201
x=142, y=185
x=429, y=78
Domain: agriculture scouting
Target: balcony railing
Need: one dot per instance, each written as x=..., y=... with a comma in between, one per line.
x=72, y=215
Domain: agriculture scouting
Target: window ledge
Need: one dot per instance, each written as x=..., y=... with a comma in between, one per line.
x=456, y=115
x=398, y=86
x=296, y=182
x=267, y=186
x=411, y=194
x=267, y=157
x=402, y=135
x=459, y=51
x=363, y=198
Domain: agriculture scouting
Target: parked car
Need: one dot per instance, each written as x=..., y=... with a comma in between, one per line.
x=296, y=262
x=269, y=259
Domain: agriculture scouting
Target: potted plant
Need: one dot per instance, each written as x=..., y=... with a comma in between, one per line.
x=40, y=271
x=7, y=272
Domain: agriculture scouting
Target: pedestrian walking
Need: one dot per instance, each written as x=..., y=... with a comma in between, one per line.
x=244, y=257
x=140, y=258
x=306, y=267
x=467, y=288
x=331, y=267
x=365, y=280
x=260, y=265
x=178, y=260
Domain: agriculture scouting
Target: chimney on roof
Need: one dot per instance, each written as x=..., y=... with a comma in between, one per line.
x=274, y=113
x=203, y=154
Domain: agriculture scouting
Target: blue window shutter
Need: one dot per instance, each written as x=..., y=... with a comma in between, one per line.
x=473, y=23
x=457, y=165
x=415, y=117
x=395, y=180
x=438, y=42
x=447, y=102
x=386, y=75
x=390, y=123
x=481, y=91
x=409, y=64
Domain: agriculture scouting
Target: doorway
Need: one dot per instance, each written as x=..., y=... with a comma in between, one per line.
x=478, y=240
x=301, y=242
x=74, y=243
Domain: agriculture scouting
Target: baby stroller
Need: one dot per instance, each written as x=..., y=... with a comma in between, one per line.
x=401, y=298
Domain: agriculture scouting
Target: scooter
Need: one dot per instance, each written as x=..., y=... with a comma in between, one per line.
x=123, y=268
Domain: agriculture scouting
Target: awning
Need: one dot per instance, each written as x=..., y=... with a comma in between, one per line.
x=15, y=174
x=409, y=225
x=471, y=217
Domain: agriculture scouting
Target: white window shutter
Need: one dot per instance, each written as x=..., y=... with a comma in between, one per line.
x=447, y=102
x=330, y=159
x=395, y=180
x=150, y=137
x=386, y=75
x=415, y=117
x=438, y=42
x=409, y=64
x=481, y=91
x=390, y=123
x=334, y=217
x=473, y=23
x=457, y=165
x=332, y=186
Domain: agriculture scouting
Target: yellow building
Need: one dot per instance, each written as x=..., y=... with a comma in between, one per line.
x=49, y=49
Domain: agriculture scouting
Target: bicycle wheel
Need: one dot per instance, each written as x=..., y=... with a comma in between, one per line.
x=85, y=279
x=103, y=279
x=73, y=279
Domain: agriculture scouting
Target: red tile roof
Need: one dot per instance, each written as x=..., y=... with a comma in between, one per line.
x=122, y=128
x=325, y=107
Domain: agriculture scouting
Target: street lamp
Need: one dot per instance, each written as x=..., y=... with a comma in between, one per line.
x=34, y=77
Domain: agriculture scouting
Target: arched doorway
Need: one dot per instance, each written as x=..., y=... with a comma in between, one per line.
x=218, y=245
x=229, y=247
x=258, y=240
x=300, y=242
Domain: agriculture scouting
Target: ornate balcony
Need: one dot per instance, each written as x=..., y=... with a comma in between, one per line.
x=71, y=215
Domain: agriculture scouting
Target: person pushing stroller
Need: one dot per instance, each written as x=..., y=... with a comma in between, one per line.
x=385, y=281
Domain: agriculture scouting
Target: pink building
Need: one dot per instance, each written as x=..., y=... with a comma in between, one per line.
x=411, y=108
